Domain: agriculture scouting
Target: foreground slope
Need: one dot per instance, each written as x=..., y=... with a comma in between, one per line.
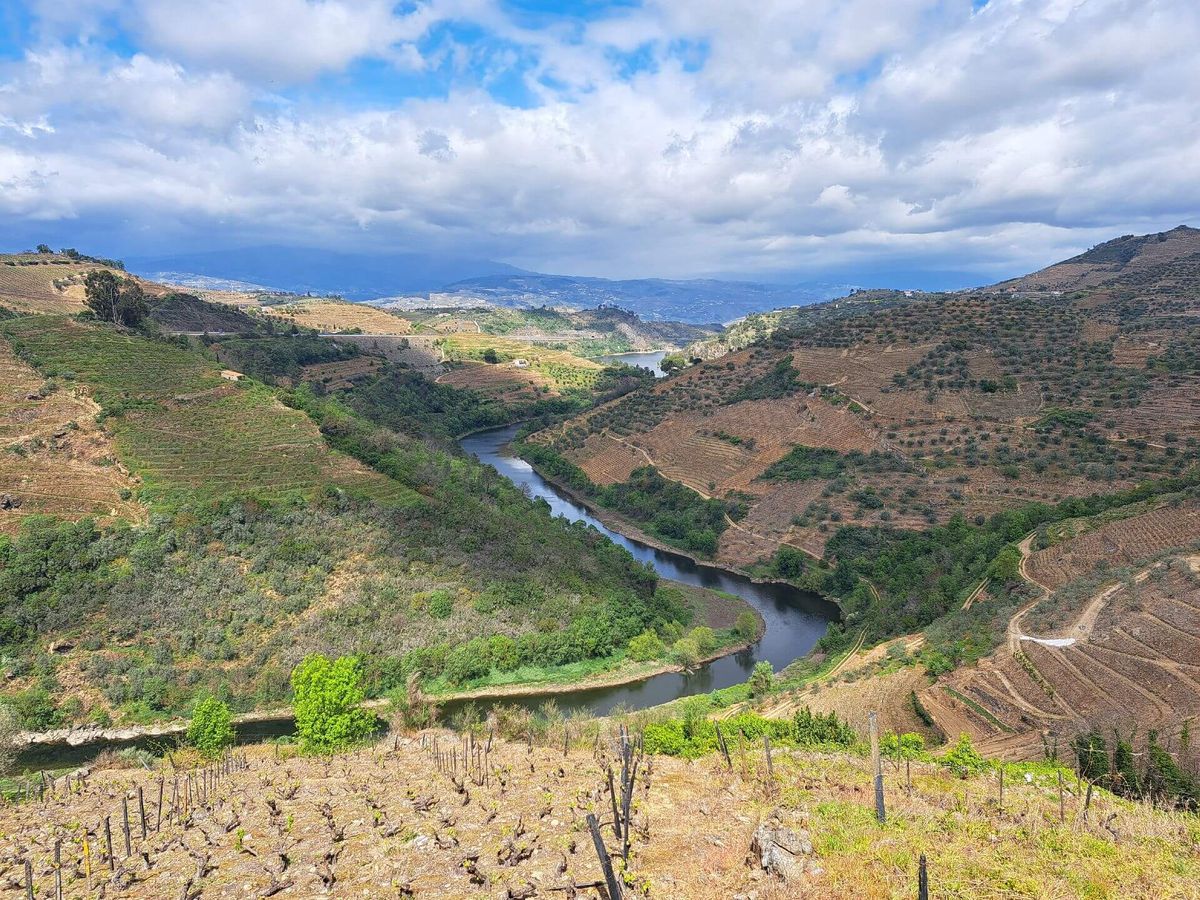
x=394, y=821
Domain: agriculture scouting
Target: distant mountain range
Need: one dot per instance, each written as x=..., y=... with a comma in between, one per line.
x=300, y=270
x=654, y=299
x=407, y=280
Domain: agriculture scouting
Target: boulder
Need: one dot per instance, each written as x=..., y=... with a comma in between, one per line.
x=782, y=851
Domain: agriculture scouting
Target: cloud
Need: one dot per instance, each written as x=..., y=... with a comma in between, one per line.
x=805, y=138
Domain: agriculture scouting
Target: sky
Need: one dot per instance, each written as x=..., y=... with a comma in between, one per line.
x=913, y=142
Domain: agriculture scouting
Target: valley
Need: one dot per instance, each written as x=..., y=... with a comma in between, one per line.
x=969, y=515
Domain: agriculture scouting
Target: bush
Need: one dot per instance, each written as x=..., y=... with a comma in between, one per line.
x=646, y=646
x=746, y=625
x=963, y=759
x=901, y=746
x=762, y=679
x=328, y=694
x=211, y=728
x=686, y=652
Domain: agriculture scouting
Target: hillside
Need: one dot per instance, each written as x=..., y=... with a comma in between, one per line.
x=587, y=332
x=1160, y=266
x=51, y=282
x=885, y=448
x=286, y=505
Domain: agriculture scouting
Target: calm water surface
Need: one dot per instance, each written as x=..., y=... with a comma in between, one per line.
x=795, y=619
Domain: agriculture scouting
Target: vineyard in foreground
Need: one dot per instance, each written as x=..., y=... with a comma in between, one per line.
x=441, y=814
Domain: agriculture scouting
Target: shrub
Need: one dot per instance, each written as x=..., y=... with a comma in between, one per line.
x=327, y=697
x=762, y=679
x=686, y=652
x=705, y=638
x=963, y=759
x=901, y=746
x=211, y=728
x=666, y=738
x=646, y=646
x=746, y=625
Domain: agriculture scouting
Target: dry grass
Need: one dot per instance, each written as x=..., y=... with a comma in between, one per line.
x=383, y=820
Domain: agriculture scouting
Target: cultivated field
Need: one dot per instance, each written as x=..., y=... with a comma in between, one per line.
x=434, y=815
x=49, y=283
x=329, y=316
x=1108, y=653
x=54, y=459
x=1118, y=543
x=183, y=428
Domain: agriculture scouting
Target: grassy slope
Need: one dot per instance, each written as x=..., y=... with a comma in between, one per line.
x=255, y=585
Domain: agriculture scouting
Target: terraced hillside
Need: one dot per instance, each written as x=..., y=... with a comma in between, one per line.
x=50, y=282
x=512, y=370
x=182, y=427
x=587, y=332
x=329, y=316
x=56, y=459
x=986, y=400
x=1111, y=641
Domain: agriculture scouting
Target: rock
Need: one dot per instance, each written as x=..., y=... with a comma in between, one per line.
x=7, y=501
x=781, y=851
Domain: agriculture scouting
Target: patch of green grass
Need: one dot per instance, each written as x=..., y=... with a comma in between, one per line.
x=979, y=709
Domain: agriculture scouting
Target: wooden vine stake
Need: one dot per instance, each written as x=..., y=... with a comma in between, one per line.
x=922, y=879
x=876, y=767
x=610, y=878
x=724, y=747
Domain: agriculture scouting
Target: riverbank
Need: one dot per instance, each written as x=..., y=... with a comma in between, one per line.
x=712, y=608
x=630, y=529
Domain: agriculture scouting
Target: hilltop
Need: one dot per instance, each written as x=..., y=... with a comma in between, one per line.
x=1159, y=265
x=891, y=449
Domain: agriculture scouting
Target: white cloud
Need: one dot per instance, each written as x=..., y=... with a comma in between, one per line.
x=816, y=134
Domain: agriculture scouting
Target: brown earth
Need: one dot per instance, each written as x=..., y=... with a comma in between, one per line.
x=1124, y=654
x=393, y=821
x=55, y=459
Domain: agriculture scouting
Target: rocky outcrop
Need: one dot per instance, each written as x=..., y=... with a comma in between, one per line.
x=782, y=851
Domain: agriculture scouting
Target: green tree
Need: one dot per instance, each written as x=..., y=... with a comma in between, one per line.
x=211, y=728
x=44, y=248
x=746, y=625
x=327, y=697
x=685, y=651
x=491, y=356
x=118, y=300
x=762, y=679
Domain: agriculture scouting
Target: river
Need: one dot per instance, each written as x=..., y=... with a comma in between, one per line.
x=795, y=619
x=652, y=360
